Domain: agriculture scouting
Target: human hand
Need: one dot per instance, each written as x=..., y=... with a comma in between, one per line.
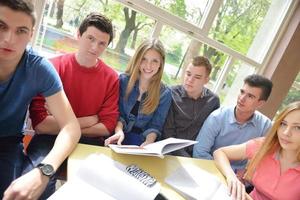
x=236, y=188
x=29, y=186
x=118, y=138
x=150, y=138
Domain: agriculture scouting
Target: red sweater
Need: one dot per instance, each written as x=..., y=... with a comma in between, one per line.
x=90, y=91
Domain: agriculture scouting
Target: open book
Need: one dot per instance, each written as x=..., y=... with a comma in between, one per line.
x=194, y=183
x=155, y=149
x=100, y=177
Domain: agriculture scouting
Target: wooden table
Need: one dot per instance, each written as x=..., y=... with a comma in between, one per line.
x=159, y=168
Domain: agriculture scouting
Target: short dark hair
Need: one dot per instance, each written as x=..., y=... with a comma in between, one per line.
x=203, y=62
x=98, y=21
x=25, y=6
x=261, y=82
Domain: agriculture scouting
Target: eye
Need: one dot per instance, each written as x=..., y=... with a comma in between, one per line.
x=2, y=26
x=90, y=38
x=297, y=128
x=101, y=44
x=22, y=31
x=283, y=124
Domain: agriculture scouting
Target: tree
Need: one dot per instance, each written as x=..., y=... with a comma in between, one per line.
x=130, y=18
x=59, y=13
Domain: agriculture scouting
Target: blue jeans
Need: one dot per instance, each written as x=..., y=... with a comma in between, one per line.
x=133, y=139
x=37, y=150
x=11, y=163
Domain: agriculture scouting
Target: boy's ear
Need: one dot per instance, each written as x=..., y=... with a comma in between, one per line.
x=78, y=34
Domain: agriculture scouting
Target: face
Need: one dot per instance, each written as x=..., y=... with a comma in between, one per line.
x=92, y=43
x=150, y=64
x=15, y=32
x=289, y=131
x=249, y=99
x=194, y=79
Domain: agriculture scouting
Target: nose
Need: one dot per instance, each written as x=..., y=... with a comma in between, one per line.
x=8, y=36
x=287, y=131
x=190, y=79
x=242, y=97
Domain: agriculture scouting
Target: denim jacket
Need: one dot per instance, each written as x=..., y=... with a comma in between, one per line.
x=147, y=123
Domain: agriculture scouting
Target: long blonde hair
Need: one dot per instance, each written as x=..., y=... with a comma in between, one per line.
x=133, y=70
x=271, y=142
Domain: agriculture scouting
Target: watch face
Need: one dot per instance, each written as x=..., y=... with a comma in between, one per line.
x=47, y=170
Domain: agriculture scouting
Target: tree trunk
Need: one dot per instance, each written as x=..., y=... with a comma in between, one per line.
x=60, y=13
x=135, y=33
x=192, y=51
x=129, y=27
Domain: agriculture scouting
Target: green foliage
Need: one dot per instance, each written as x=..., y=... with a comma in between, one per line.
x=238, y=22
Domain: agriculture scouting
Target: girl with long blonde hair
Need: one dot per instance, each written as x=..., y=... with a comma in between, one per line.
x=144, y=100
x=274, y=166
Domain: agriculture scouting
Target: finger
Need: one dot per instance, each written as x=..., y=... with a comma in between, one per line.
x=239, y=191
x=244, y=193
x=120, y=140
x=233, y=190
x=106, y=142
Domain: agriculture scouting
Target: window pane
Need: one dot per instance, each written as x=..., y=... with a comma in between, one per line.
x=175, y=47
x=249, y=26
x=189, y=10
x=234, y=82
x=58, y=34
x=293, y=95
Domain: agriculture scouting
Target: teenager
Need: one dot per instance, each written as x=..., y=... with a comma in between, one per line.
x=191, y=104
x=144, y=100
x=92, y=88
x=236, y=124
x=274, y=168
x=23, y=75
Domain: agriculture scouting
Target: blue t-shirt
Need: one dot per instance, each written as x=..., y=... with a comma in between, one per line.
x=34, y=75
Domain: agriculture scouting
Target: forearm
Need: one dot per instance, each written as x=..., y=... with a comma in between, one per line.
x=96, y=130
x=119, y=127
x=223, y=163
x=65, y=142
x=88, y=121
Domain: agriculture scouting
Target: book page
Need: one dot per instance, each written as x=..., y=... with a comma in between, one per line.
x=100, y=174
x=194, y=183
x=78, y=190
x=170, y=144
x=155, y=149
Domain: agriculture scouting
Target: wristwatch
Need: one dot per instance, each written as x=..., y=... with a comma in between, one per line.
x=46, y=169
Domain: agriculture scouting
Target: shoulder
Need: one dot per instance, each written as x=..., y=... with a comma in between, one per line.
x=222, y=111
x=261, y=118
x=62, y=58
x=123, y=77
x=252, y=146
x=165, y=90
x=109, y=72
x=39, y=64
x=211, y=94
x=176, y=90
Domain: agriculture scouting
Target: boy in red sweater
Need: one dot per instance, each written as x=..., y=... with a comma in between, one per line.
x=91, y=86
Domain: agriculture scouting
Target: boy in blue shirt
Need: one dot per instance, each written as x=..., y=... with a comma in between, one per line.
x=23, y=75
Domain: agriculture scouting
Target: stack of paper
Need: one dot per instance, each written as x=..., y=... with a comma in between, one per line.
x=100, y=177
x=194, y=183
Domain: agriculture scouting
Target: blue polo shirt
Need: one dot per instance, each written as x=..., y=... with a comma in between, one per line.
x=221, y=129
x=33, y=75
